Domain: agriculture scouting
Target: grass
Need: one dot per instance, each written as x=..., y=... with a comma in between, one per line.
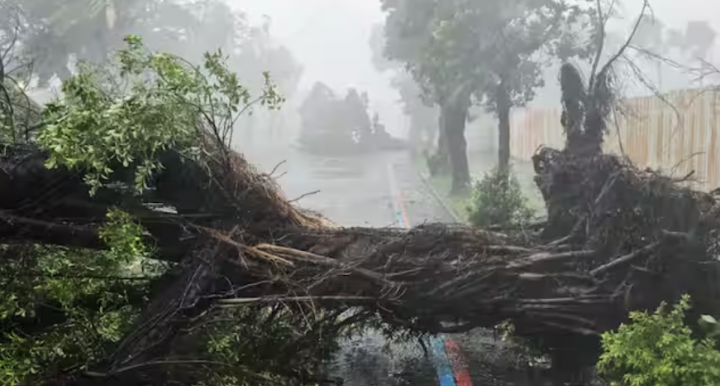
x=457, y=203
x=442, y=185
x=479, y=164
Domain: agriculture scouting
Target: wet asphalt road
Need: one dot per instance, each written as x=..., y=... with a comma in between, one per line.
x=350, y=191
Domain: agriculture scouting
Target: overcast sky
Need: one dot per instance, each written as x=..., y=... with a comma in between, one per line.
x=330, y=37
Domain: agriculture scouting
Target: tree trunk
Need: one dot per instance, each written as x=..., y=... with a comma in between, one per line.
x=415, y=137
x=455, y=118
x=503, y=112
x=442, y=145
x=439, y=163
x=430, y=133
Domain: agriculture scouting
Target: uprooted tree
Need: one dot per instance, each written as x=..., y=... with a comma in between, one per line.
x=237, y=264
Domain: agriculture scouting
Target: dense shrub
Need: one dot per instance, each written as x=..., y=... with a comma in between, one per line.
x=659, y=350
x=497, y=199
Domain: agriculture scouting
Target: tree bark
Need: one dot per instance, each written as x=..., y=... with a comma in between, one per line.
x=439, y=162
x=503, y=106
x=455, y=118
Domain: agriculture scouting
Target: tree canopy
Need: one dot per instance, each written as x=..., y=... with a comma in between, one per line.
x=90, y=30
x=488, y=52
x=423, y=113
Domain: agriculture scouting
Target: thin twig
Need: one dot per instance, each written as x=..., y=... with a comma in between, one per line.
x=303, y=196
x=276, y=299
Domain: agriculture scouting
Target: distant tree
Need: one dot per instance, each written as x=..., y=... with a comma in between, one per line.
x=650, y=34
x=340, y=126
x=484, y=51
x=325, y=120
x=89, y=30
x=679, y=45
x=423, y=114
x=414, y=37
x=356, y=115
x=314, y=107
x=699, y=38
x=519, y=39
x=696, y=40
x=256, y=52
x=85, y=29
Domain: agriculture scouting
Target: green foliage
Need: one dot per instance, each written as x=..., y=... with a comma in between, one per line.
x=63, y=308
x=150, y=103
x=123, y=235
x=659, y=350
x=469, y=46
x=497, y=199
x=261, y=345
x=710, y=325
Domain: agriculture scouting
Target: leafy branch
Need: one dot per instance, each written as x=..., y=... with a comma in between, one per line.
x=163, y=103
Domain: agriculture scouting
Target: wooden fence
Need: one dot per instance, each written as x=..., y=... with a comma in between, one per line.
x=676, y=133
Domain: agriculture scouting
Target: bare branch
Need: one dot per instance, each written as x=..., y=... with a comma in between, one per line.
x=622, y=49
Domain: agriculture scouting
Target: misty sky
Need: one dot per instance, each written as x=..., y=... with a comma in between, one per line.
x=330, y=38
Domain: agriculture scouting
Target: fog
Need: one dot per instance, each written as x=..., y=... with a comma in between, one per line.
x=330, y=38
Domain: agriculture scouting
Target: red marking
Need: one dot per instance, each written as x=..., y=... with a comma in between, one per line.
x=399, y=198
x=458, y=363
x=401, y=204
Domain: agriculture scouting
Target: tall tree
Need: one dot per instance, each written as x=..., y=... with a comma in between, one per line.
x=489, y=52
x=414, y=34
x=517, y=39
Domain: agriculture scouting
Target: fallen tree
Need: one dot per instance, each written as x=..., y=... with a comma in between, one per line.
x=641, y=240
x=617, y=239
